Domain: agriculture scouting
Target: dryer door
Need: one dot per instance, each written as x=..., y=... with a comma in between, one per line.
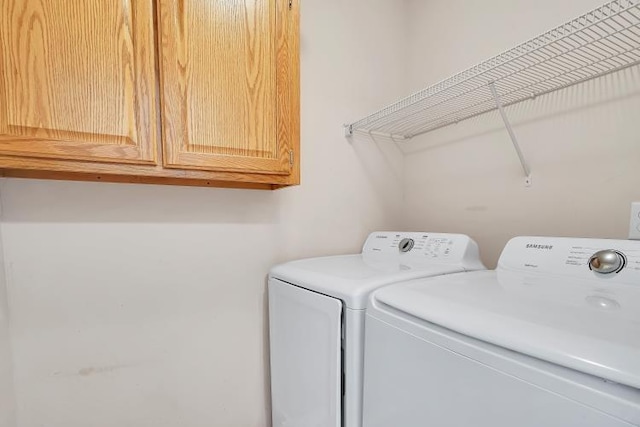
x=306, y=367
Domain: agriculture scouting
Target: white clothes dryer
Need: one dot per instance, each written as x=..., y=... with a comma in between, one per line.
x=551, y=338
x=316, y=320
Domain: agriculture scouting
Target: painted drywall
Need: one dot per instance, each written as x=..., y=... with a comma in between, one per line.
x=7, y=395
x=582, y=143
x=145, y=305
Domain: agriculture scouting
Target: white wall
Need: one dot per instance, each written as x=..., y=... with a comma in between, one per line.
x=7, y=402
x=145, y=305
x=582, y=143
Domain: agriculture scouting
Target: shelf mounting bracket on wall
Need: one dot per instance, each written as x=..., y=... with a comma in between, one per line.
x=512, y=135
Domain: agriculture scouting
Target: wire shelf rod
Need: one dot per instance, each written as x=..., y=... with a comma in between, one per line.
x=520, y=93
x=507, y=104
x=490, y=78
x=488, y=106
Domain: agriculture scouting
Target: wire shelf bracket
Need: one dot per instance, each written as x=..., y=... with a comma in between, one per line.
x=512, y=135
x=348, y=130
x=600, y=42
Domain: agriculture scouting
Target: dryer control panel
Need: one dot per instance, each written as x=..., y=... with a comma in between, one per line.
x=600, y=259
x=420, y=246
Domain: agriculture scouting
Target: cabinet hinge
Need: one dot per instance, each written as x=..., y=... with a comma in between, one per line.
x=290, y=4
x=291, y=157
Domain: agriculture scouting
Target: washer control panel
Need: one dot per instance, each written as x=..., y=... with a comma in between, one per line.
x=617, y=260
x=422, y=246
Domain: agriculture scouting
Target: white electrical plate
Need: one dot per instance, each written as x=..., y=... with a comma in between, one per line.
x=634, y=223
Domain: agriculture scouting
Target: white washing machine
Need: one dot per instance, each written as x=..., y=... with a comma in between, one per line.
x=549, y=339
x=316, y=320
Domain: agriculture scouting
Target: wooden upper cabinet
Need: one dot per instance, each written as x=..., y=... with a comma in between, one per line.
x=78, y=80
x=229, y=85
x=86, y=87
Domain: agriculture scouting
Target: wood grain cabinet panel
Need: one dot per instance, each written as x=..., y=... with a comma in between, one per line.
x=78, y=80
x=81, y=82
x=227, y=68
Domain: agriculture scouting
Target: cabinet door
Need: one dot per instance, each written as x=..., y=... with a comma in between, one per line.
x=78, y=80
x=226, y=84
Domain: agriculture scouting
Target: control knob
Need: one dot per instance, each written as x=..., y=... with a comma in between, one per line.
x=607, y=261
x=405, y=245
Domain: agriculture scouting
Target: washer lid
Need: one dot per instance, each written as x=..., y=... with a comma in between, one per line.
x=587, y=325
x=352, y=278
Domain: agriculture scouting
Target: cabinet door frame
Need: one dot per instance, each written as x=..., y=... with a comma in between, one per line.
x=40, y=142
x=173, y=89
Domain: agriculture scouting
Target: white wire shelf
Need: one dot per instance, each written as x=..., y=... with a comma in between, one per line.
x=602, y=41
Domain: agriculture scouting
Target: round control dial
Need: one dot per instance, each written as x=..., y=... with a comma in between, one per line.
x=607, y=261
x=405, y=245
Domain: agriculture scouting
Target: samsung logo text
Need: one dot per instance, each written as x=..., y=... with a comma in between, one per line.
x=536, y=246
